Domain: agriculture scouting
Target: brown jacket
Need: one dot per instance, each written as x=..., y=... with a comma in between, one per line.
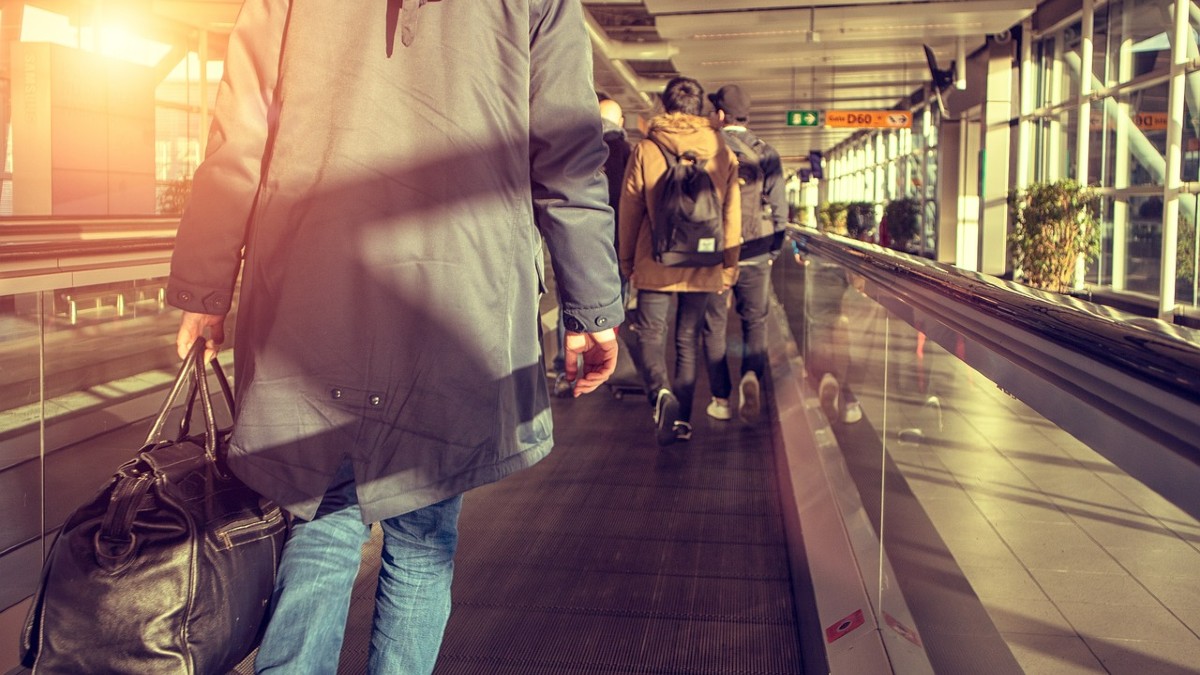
x=678, y=132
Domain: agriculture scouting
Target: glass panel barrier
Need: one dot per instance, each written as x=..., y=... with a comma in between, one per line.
x=1013, y=542
x=84, y=370
x=20, y=469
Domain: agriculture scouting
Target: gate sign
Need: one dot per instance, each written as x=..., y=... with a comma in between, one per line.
x=1145, y=121
x=1151, y=121
x=869, y=119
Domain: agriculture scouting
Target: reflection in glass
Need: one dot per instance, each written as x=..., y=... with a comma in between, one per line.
x=1130, y=39
x=990, y=515
x=1057, y=83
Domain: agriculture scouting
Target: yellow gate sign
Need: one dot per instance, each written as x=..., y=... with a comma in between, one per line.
x=869, y=119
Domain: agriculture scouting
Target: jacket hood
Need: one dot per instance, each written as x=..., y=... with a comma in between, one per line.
x=681, y=131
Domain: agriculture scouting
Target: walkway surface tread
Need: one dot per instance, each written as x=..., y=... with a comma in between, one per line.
x=614, y=555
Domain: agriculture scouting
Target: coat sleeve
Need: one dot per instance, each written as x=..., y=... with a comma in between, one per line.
x=567, y=154
x=208, y=246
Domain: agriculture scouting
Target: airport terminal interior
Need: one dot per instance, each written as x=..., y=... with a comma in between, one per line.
x=965, y=464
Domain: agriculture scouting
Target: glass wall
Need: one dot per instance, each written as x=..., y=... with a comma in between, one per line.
x=1128, y=87
x=180, y=124
x=1125, y=151
x=112, y=78
x=884, y=165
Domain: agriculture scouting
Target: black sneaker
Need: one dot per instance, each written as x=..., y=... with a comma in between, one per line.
x=683, y=431
x=562, y=388
x=666, y=413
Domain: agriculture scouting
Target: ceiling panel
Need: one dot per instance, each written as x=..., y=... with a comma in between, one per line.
x=900, y=20
x=832, y=55
x=692, y=6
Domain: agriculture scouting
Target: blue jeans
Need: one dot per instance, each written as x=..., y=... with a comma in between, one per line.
x=316, y=578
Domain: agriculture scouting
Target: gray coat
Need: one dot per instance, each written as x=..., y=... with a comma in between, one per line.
x=383, y=198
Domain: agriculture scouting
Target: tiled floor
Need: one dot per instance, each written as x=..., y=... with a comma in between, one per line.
x=1081, y=568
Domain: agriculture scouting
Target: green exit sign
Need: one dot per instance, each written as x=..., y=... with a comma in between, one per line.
x=803, y=118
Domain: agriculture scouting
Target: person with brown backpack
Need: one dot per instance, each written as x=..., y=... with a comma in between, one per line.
x=671, y=246
x=764, y=212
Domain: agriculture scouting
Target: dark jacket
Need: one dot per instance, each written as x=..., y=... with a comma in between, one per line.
x=618, y=157
x=678, y=132
x=774, y=189
x=386, y=197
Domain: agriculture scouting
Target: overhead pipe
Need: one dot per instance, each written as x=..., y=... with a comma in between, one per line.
x=960, y=63
x=626, y=51
x=617, y=53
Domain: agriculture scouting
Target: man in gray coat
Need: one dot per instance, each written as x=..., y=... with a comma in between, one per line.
x=376, y=172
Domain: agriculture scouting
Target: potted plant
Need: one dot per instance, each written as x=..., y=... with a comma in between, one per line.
x=1053, y=226
x=831, y=217
x=901, y=223
x=860, y=219
x=1185, y=255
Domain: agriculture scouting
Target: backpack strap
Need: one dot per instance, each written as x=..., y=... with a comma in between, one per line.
x=673, y=159
x=669, y=156
x=732, y=139
x=749, y=149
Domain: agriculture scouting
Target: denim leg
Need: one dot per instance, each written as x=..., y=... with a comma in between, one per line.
x=716, y=322
x=752, y=293
x=313, y=586
x=412, y=601
x=650, y=327
x=689, y=317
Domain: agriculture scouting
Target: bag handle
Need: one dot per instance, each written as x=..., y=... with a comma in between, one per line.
x=186, y=421
x=114, y=542
x=193, y=373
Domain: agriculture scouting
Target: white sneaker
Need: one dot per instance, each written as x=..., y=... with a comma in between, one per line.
x=828, y=392
x=719, y=409
x=853, y=413
x=750, y=402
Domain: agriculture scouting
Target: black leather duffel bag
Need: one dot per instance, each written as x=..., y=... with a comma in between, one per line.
x=169, y=569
